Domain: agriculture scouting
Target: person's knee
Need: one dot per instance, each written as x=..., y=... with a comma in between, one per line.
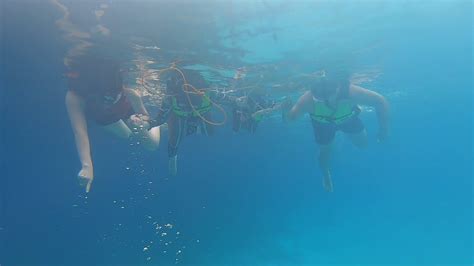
x=123, y=134
x=152, y=147
x=325, y=150
x=119, y=129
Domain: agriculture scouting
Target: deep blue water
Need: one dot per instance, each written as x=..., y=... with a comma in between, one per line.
x=242, y=199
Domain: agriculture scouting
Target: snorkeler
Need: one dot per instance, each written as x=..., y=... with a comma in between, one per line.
x=332, y=104
x=250, y=109
x=186, y=110
x=96, y=92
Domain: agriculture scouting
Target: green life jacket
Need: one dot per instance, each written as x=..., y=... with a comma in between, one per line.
x=257, y=118
x=344, y=110
x=205, y=107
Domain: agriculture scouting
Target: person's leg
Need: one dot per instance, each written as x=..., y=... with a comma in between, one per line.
x=119, y=129
x=324, y=134
x=355, y=130
x=325, y=165
x=154, y=137
x=175, y=129
x=150, y=139
x=253, y=126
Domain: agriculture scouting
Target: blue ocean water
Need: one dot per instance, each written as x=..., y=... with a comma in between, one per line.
x=244, y=199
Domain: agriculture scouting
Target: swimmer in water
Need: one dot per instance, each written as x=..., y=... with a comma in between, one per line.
x=333, y=105
x=96, y=92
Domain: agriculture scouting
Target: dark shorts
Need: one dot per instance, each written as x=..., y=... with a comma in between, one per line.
x=122, y=110
x=325, y=132
x=95, y=110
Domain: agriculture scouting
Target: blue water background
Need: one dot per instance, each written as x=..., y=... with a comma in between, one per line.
x=250, y=199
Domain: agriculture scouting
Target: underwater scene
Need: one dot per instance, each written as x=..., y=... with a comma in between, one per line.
x=236, y=132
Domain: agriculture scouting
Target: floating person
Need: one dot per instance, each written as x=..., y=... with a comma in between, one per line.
x=96, y=92
x=332, y=104
x=186, y=110
x=250, y=109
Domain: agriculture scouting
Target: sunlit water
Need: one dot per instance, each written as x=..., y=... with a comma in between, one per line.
x=241, y=199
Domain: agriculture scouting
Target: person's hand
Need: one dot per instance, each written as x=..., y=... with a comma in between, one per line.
x=139, y=121
x=86, y=176
x=327, y=182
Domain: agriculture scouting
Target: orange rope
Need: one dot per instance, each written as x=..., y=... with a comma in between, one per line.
x=187, y=92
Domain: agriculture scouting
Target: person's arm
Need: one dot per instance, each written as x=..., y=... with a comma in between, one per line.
x=223, y=97
x=140, y=113
x=371, y=98
x=136, y=101
x=75, y=109
x=274, y=107
x=303, y=105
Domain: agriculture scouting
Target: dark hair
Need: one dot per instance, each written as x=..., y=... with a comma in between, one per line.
x=174, y=81
x=329, y=81
x=97, y=76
